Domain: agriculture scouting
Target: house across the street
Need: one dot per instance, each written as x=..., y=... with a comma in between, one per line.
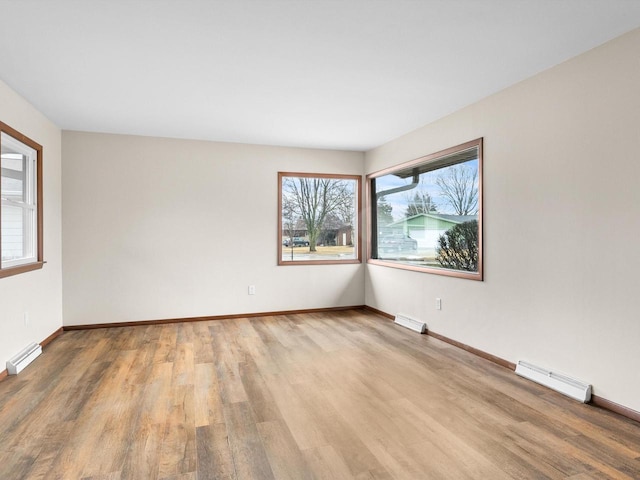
x=426, y=228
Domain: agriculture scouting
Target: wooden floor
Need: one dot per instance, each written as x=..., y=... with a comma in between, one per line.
x=327, y=396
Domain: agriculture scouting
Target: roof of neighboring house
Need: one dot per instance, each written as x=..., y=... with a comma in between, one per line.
x=440, y=216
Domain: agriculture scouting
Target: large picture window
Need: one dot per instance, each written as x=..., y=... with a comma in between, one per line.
x=426, y=214
x=318, y=218
x=21, y=203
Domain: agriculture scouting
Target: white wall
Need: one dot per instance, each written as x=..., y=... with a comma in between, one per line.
x=37, y=293
x=159, y=228
x=562, y=224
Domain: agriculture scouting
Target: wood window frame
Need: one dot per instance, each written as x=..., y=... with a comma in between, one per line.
x=435, y=160
x=357, y=223
x=38, y=264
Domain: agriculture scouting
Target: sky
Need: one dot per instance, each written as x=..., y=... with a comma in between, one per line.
x=398, y=201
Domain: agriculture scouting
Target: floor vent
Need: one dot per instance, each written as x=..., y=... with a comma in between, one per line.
x=20, y=361
x=560, y=383
x=410, y=323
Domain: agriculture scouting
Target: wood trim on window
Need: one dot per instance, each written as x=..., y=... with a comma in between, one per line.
x=358, y=221
x=28, y=267
x=433, y=157
x=39, y=263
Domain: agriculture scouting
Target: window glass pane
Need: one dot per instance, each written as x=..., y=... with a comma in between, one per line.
x=427, y=214
x=13, y=177
x=318, y=218
x=12, y=232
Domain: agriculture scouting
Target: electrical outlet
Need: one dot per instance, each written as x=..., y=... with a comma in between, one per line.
x=252, y=289
x=26, y=319
x=438, y=304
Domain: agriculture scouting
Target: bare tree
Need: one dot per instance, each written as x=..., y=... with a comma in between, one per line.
x=289, y=220
x=459, y=186
x=345, y=209
x=312, y=199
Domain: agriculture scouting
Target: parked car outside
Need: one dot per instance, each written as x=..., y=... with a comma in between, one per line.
x=297, y=242
x=396, y=243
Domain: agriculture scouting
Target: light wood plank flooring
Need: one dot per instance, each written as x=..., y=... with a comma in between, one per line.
x=344, y=395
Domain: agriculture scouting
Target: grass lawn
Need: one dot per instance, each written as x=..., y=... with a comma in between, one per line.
x=320, y=250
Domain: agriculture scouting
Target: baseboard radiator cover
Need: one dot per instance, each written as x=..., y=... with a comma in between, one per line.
x=410, y=323
x=20, y=361
x=568, y=386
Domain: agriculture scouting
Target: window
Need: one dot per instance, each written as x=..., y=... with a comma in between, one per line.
x=318, y=219
x=426, y=214
x=21, y=203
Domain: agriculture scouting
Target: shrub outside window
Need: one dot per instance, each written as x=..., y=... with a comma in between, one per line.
x=21, y=203
x=426, y=214
x=318, y=218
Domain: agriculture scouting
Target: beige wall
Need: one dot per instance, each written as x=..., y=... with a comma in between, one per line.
x=562, y=224
x=37, y=293
x=161, y=228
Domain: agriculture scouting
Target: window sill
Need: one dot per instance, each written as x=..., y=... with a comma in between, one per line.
x=318, y=262
x=437, y=271
x=8, y=272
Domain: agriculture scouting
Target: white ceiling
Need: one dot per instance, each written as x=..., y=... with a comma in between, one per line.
x=342, y=74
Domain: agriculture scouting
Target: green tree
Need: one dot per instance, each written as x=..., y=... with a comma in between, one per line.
x=420, y=202
x=383, y=212
x=458, y=247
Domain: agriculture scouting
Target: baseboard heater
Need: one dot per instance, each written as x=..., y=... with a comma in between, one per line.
x=410, y=323
x=560, y=383
x=20, y=361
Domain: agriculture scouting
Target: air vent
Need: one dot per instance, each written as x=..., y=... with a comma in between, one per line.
x=410, y=323
x=20, y=361
x=560, y=383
